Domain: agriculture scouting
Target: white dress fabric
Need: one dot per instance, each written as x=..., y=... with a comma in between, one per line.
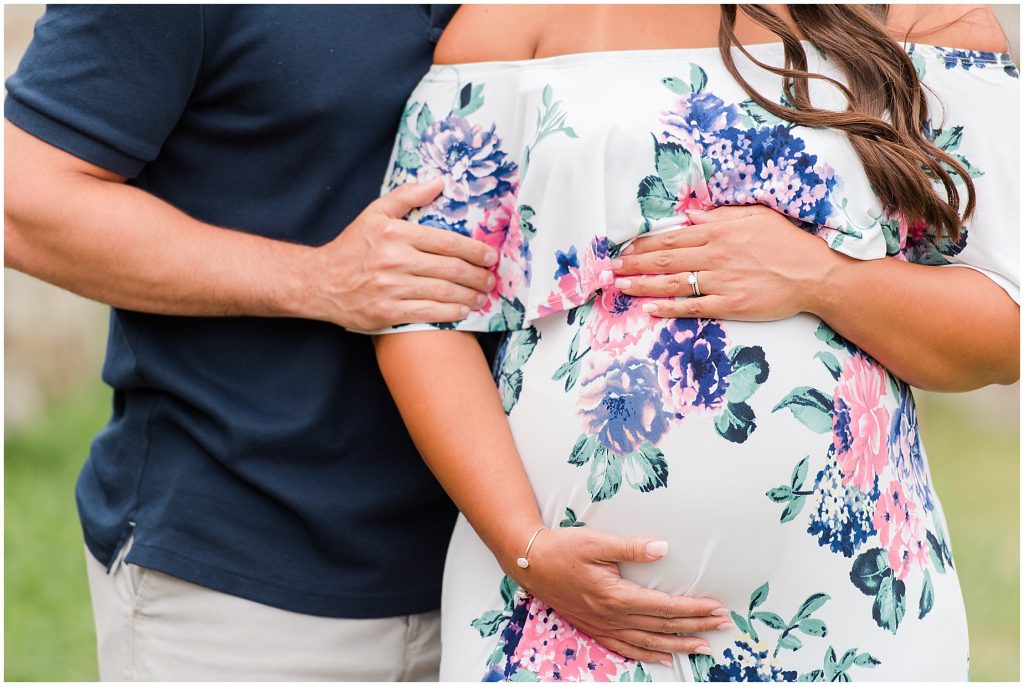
x=782, y=464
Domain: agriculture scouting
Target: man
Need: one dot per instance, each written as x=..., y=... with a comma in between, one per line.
x=254, y=509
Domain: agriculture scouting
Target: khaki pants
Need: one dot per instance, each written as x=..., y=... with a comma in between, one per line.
x=155, y=627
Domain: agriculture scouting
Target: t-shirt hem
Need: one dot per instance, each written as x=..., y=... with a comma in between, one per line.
x=347, y=606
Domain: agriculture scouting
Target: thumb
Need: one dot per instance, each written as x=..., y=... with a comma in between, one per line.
x=721, y=214
x=408, y=197
x=620, y=549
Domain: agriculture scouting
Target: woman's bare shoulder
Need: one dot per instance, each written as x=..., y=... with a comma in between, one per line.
x=472, y=36
x=968, y=27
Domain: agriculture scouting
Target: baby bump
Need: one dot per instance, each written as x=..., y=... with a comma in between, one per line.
x=733, y=441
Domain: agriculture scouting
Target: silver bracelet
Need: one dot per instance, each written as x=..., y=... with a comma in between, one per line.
x=522, y=561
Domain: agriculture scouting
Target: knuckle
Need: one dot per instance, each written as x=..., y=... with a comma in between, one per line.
x=649, y=642
x=391, y=230
x=693, y=308
x=670, y=240
x=673, y=283
x=662, y=260
x=443, y=291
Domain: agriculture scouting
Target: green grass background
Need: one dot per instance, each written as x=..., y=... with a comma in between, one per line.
x=48, y=622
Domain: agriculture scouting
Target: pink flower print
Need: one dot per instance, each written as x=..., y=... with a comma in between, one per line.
x=900, y=530
x=617, y=320
x=556, y=651
x=860, y=423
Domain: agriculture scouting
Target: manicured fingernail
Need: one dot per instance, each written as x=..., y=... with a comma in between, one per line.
x=726, y=626
x=649, y=308
x=721, y=612
x=616, y=263
x=490, y=258
x=481, y=300
x=703, y=650
x=667, y=663
x=657, y=548
x=606, y=277
x=623, y=284
x=491, y=281
x=463, y=311
x=629, y=250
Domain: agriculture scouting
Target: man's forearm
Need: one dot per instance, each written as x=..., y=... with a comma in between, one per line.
x=937, y=328
x=124, y=247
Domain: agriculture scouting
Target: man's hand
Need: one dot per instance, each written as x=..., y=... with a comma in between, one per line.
x=383, y=271
x=80, y=227
x=574, y=571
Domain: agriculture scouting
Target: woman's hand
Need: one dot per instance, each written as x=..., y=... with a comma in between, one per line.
x=574, y=571
x=752, y=264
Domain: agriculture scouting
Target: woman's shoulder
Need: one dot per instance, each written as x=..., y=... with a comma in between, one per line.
x=470, y=36
x=966, y=27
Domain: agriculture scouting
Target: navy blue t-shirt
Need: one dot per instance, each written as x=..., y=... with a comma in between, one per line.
x=259, y=457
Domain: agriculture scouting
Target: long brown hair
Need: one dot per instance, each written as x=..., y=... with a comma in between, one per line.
x=900, y=162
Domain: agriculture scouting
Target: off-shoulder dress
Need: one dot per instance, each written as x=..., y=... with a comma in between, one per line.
x=782, y=464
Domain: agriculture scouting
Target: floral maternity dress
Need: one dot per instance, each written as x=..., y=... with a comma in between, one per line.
x=782, y=464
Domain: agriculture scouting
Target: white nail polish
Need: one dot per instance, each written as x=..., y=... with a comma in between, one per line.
x=623, y=284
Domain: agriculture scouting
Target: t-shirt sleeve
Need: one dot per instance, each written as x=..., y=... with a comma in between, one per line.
x=108, y=83
x=975, y=117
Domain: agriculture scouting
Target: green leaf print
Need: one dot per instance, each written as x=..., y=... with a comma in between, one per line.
x=489, y=623
x=524, y=675
x=749, y=370
x=743, y=625
x=424, y=119
x=655, y=200
x=948, y=139
x=759, y=116
x=790, y=642
x=507, y=588
x=471, y=98
x=510, y=385
x=867, y=660
x=927, y=601
x=869, y=570
x=700, y=664
x=919, y=64
x=698, y=78
x=526, y=213
x=890, y=604
x=570, y=519
x=736, y=422
x=674, y=165
x=519, y=348
x=796, y=479
x=409, y=160
x=583, y=450
x=813, y=627
x=645, y=469
x=772, y=620
x=780, y=494
x=605, y=474
x=811, y=407
x=825, y=333
x=831, y=363
x=759, y=595
x=831, y=665
x=676, y=85
x=811, y=605
x=935, y=550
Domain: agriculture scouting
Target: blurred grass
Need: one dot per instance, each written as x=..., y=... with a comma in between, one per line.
x=48, y=622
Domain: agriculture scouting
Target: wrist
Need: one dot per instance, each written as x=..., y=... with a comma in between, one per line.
x=294, y=292
x=824, y=293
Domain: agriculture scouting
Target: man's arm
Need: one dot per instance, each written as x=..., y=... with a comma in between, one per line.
x=78, y=226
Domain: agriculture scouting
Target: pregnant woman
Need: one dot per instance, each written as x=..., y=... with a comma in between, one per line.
x=766, y=433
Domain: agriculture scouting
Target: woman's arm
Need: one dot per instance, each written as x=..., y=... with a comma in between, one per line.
x=442, y=385
x=937, y=328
